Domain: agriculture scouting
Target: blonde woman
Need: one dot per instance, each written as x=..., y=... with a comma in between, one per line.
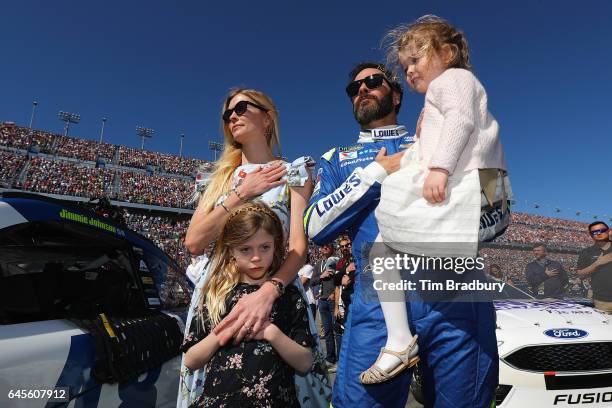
x=248, y=170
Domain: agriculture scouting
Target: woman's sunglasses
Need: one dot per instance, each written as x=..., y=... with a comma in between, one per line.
x=372, y=82
x=240, y=109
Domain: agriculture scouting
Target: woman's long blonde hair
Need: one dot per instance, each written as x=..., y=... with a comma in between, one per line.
x=231, y=157
x=242, y=223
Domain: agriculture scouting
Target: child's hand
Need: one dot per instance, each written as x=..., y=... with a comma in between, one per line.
x=435, y=183
x=267, y=331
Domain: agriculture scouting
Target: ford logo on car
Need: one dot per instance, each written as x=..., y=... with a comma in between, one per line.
x=566, y=333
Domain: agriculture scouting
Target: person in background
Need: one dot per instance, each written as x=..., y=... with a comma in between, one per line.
x=596, y=262
x=305, y=274
x=546, y=278
x=325, y=269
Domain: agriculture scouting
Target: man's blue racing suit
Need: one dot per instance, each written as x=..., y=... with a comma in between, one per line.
x=457, y=343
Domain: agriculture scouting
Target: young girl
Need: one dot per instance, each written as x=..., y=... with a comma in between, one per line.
x=451, y=180
x=259, y=372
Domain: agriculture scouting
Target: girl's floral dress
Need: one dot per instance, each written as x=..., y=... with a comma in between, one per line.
x=252, y=373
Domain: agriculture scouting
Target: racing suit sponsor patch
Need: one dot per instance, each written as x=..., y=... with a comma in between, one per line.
x=347, y=155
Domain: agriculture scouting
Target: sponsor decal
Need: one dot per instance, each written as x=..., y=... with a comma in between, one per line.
x=347, y=155
x=385, y=133
x=143, y=266
x=94, y=222
x=147, y=280
x=317, y=187
x=359, y=160
x=351, y=148
x=337, y=196
x=583, y=398
x=536, y=304
x=566, y=333
x=368, y=151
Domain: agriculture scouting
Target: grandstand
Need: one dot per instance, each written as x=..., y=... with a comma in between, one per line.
x=153, y=190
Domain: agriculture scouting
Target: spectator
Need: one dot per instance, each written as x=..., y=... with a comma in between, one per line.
x=305, y=274
x=324, y=268
x=546, y=278
x=596, y=262
x=344, y=280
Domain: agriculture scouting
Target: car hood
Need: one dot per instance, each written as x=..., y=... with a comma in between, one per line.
x=513, y=314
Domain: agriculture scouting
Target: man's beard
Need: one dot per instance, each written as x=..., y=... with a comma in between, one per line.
x=365, y=114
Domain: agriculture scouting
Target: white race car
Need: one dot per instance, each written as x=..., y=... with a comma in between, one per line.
x=552, y=353
x=84, y=320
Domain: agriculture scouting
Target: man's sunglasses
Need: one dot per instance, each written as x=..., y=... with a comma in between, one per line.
x=345, y=246
x=240, y=109
x=372, y=82
x=599, y=231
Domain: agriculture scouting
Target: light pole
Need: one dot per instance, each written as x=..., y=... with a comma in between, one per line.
x=102, y=129
x=181, y=147
x=144, y=132
x=215, y=147
x=69, y=118
x=34, y=105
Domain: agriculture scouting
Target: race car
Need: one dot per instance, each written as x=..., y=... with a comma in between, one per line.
x=84, y=319
x=553, y=353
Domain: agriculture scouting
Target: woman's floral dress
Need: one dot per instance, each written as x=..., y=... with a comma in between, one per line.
x=252, y=373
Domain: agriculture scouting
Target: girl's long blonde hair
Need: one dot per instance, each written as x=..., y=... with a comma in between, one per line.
x=242, y=223
x=231, y=157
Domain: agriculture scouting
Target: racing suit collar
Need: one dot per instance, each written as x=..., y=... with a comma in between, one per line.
x=381, y=133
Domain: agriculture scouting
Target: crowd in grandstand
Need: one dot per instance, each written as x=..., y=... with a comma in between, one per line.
x=550, y=234
x=83, y=149
x=155, y=190
x=58, y=177
x=11, y=164
x=89, y=150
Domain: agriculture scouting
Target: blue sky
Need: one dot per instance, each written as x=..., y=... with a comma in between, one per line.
x=167, y=65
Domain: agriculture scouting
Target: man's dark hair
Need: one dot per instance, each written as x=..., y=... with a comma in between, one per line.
x=391, y=78
x=594, y=223
x=539, y=245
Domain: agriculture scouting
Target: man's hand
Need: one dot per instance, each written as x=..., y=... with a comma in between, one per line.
x=551, y=272
x=603, y=260
x=390, y=163
x=435, y=184
x=351, y=268
x=326, y=275
x=332, y=297
x=248, y=316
